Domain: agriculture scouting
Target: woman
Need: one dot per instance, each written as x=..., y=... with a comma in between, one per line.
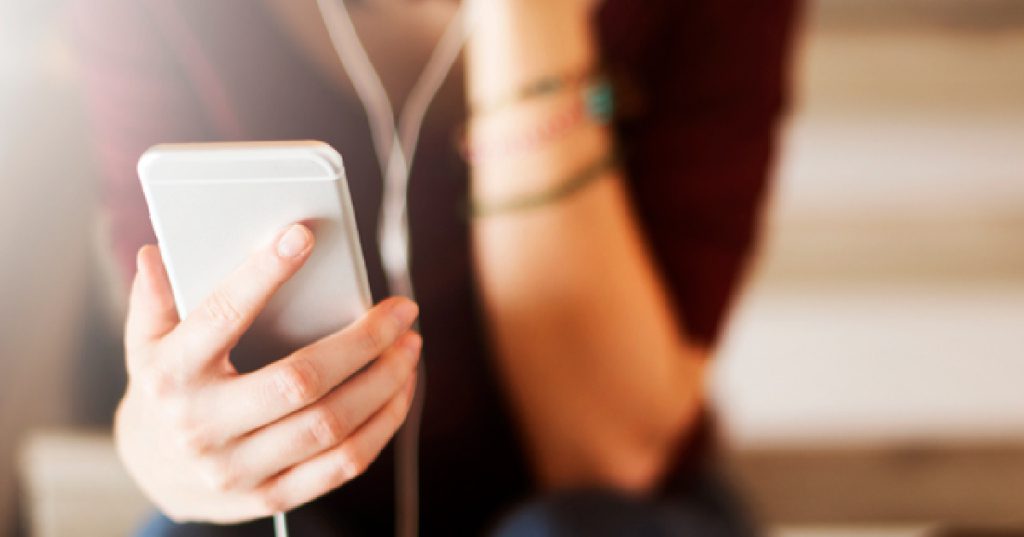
x=566, y=322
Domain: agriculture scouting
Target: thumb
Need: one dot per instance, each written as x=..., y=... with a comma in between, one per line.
x=151, y=311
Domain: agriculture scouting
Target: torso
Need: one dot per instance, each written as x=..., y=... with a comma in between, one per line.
x=399, y=36
x=271, y=66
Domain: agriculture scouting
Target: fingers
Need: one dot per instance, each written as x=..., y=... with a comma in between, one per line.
x=266, y=452
x=151, y=311
x=339, y=465
x=251, y=401
x=217, y=324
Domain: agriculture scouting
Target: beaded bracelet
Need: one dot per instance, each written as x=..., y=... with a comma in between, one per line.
x=596, y=102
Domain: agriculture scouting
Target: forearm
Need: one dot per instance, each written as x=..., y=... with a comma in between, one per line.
x=602, y=379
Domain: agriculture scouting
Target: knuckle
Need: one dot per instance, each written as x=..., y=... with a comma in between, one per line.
x=221, y=309
x=162, y=379
x=398, y=369
x=220, y=474
x=352, y=464
x=298, y=382
x=271, y=500
x=326, y=428
x=343, y=469
x=178, y=414
x=396, y=414
x=159, y=384
x=372, y=337
x=195, y=442
x=408, y=393
x=271, y=266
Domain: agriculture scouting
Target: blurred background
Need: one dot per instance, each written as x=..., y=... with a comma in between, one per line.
x=870, y=382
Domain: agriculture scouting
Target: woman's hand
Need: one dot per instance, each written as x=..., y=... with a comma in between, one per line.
x=206, y=443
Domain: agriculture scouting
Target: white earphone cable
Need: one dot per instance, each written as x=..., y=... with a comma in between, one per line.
x=395, y=147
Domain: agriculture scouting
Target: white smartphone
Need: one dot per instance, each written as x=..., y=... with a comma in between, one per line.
x=212, y=205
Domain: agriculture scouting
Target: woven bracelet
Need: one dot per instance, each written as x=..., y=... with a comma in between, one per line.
x=564, y=189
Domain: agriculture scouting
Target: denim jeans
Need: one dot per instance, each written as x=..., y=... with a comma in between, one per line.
x=706, y=510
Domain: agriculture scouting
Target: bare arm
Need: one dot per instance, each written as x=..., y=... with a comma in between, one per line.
x=601, y=378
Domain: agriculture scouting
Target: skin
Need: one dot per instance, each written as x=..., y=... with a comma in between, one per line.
x=207, y=443
x=603, y=382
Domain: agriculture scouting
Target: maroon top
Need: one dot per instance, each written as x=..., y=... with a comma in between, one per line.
x=702, y=87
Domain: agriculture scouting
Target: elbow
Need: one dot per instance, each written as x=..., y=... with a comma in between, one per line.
x=644, y=454
x=635, y=473
x=644, y=461
x=630, y=446
x=631, y=472
x=634, y=461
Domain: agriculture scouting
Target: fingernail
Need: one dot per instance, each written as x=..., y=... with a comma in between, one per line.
x=405, y=311
x=293, y=242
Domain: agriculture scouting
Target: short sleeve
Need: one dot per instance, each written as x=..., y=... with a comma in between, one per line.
x=703, y=87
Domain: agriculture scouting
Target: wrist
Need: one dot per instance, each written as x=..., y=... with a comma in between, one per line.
x=542, y=170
